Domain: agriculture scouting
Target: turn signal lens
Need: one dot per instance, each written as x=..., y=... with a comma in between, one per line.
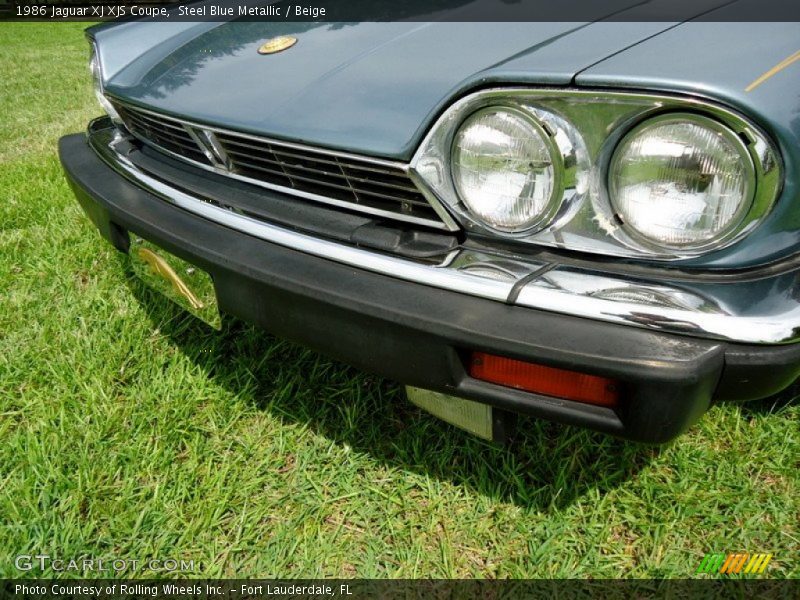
x=548, y=381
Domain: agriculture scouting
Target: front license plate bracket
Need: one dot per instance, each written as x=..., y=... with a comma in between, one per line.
x=182, y=282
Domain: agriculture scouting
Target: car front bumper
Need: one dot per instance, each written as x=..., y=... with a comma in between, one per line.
x=421, y=335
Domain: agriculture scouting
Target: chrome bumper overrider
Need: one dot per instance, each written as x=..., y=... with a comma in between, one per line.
x=755, y=311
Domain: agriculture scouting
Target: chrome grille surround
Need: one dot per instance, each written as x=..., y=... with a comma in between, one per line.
x=363, y=184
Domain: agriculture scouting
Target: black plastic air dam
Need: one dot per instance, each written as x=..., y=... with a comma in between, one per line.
x=417, y=334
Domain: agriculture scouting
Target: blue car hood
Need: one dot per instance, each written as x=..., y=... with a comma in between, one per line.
x=371, y=88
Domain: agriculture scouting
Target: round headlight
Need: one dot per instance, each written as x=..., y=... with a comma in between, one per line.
x=682, y=181
x=504, y=169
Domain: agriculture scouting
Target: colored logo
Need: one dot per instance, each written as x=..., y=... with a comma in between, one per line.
x=733, y=564
x=277, y=44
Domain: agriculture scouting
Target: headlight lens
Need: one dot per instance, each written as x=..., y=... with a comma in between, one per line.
x=681, y=181
x=504, y=170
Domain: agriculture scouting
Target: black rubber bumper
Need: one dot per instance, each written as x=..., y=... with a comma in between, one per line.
x=420, y=335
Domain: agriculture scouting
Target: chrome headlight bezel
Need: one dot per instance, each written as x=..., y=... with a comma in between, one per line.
x=96, y=70
x=586, y=126
x=98, y=82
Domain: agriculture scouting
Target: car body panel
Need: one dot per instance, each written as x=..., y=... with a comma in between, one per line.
x=389, y=80
x=120, y=45
x=367, y=87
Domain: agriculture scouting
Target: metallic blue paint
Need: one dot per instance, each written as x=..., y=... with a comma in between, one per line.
x=372, y=88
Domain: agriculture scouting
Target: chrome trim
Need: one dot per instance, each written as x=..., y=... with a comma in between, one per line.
x=587, y=126
x=217, y=151
x=201, y=145
x=706, y=320
x=447, y=223
x=761, y=311
x=98, y=82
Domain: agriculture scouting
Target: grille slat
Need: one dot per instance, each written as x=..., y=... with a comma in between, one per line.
x=365, y=185
x=160, y=128
x=163, y=134
x=320, y=157
x=161, y=123
x=346, y=175
x=339, y=184
x=244, y=156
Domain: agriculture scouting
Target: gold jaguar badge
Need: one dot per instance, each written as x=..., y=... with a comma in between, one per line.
x=277, y=44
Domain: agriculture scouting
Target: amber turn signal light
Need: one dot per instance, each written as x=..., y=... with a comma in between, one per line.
x=548, y=381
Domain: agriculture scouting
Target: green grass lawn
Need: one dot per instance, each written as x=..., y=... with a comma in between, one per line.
x=129, y=430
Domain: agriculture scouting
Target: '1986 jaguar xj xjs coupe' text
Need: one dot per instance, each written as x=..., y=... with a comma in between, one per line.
x=594, y=223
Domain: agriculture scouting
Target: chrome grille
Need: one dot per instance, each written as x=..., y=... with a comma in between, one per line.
x=366, y=185
x=166, y=133
x=315, y=172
